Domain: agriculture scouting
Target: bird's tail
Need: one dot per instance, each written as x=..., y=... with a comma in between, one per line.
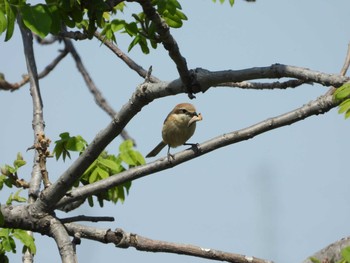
x=156, y=150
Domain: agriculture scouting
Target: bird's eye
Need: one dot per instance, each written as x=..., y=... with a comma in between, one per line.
x=183, y=111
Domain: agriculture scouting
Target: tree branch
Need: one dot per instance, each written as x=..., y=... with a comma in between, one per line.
x=4, y=85
x=293, y=83
x=147, y=92
x=145, y=244
x=318, y=106
x=343, y=70
x=38, y=118
x=64, y=244
x=331, y=253
x=99, y=99
x=87, y=218
x=170, y=45
x=128, y=61
x=125, y=240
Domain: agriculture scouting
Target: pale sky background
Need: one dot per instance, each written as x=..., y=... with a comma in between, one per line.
x=281, y=196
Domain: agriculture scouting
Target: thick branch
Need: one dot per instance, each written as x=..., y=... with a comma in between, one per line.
x=128, y=61
x=170, y=44
x=319, y=106
x=208, y=79
x=64, y=244
x=99, y=99
x=150, y=91
x=125, y=240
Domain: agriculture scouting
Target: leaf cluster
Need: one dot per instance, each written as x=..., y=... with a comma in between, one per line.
x=8, y=174
x=104, y=166
x=142, y=30
x=43, y=19
x=8, y=244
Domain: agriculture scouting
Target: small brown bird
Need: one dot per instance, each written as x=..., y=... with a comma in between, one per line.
x=178, y=127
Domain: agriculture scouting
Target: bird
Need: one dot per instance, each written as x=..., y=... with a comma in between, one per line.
x=178, y=127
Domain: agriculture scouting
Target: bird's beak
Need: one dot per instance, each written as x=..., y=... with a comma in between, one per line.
x=196, y=117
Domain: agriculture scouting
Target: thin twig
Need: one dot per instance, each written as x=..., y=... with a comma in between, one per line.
x=343, y=70
x=87, y=218
x=346, y=62
x=4, y=85
x=99, y=99
x=128, y=61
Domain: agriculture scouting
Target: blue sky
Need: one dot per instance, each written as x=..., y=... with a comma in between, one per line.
x=281, y=196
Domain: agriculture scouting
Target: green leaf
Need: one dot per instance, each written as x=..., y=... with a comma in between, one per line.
x=131, y=29
x=76, y=144
x=37, y=19
x=3, y=22
x=344, y=106
x=109, y=164
x=68, y=143
x=117, y=25
x=342, y=92
x=18, y=198
x=4, y=232
x=55, y=18
x=26, y=239
x=172, y=20
x=9, y=200
x=126, y=145
x=15, y=197
x=11, y=18
x=134, y=42
x=314, y=260
x=7, y=242
x=19, y=163
x=93, y=177
x=347, y=114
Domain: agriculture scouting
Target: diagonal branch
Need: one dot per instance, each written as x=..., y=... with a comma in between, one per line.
x=146, y=244
x=4, y=85
x=123, y=239
x=99, y=99
x=170, y=44
x=128, y=61
x=318, y=106
x=147, y=92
